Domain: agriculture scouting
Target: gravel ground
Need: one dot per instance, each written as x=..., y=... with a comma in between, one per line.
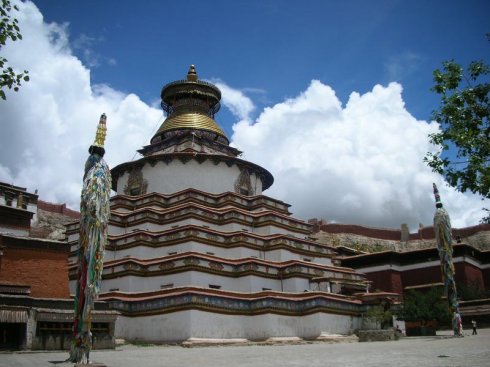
x=442, y=350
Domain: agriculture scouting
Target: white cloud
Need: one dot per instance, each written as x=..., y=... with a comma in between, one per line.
x=361, y=163
x=235, y=100
x=84, y=44
x=49, y=124
x=358, y=164
x=401, y=66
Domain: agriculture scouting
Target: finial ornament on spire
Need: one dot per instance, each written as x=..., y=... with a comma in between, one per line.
x=101, y=132
x=437, y=196
x=191, y=74
x=98, y=146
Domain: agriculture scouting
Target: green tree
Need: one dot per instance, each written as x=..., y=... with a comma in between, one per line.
x=9, y=30
x=464, y=117
x=427, y=306
x=379, y=315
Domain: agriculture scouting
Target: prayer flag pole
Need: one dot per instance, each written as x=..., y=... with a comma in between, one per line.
x=444, y=239
x=94, y=218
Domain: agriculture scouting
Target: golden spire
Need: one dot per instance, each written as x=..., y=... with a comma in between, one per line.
x=101, y=132
x=191, y=105
x=191, y=74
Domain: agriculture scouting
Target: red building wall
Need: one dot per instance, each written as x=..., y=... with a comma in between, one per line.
x=386, y=280
x=44, y=270
x=486, y=277
x=423, y=275
x=469, y=274
x=394, y=281
x=393, y=234
x=58, y=208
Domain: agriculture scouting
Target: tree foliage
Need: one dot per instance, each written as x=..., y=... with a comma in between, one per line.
x=427, y=306
x=379, y=315
x=9, y=30
x=464, y=117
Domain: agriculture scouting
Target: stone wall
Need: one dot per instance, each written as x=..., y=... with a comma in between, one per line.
x=51, y=220
x=368, y=239
x=58, y=209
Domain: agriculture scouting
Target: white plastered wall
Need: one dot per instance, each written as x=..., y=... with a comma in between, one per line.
x=246, y=284
x=144, y=252
x=176, y=176
x=180, y=326
x=227, y=227
x=169, y=327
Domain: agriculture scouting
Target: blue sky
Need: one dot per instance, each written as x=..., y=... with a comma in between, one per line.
x=272, y=49
x=332, y=97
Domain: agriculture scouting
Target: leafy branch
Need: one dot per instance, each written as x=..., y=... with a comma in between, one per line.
x=9, y=30
x=464, y=118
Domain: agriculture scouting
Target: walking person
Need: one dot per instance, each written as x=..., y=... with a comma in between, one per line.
x=473, y=323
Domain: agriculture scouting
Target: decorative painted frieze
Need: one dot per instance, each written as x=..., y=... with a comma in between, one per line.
x=220, y=240
x=217, y=217
x=252, y=203
x=167, y=265
x=258, y=304
x=191, y=261
x=225, y=267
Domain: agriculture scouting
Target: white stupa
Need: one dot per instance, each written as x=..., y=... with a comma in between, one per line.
x=196, y=250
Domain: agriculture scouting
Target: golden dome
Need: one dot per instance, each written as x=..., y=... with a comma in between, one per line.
x=190, y=120
x=191, y=105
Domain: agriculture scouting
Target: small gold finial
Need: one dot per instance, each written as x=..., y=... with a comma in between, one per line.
x=191, y=74
x=101, y=132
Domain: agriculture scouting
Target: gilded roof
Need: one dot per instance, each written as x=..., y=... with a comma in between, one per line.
x=190, y=104
x=190, y=120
